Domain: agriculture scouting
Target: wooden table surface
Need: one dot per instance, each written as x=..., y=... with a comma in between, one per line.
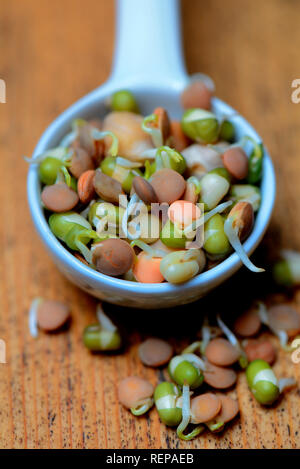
x=53, y=393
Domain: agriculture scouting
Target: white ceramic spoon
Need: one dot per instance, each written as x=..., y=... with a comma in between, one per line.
x=148, y=61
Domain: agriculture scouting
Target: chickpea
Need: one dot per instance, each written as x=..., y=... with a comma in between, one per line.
x=246, y=193
x=213, y=188
x=180, y=266
x=201, y=158
x=127, y=127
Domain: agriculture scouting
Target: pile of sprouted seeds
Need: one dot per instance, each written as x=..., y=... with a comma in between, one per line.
x=196, y=396
x=199, y=392
x=106, y=184
x=151, y=199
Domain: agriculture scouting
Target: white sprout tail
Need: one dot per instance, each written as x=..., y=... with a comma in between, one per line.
x=238, y=247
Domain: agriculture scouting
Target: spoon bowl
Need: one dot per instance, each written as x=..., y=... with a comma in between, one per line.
x=154, y=71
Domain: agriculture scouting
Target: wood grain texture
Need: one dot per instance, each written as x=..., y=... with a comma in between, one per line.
x=53, y=393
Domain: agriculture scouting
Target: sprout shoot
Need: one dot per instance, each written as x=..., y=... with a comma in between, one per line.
x=104, y=336
x=186, y=416
x=143, y=246
x=195, y=181
x=167, y=157
x=127, y=164
x=286, y=383
x=263, y=314
x=60, y=153
x=206, y=334
x=104, y=320
x=233, y=237
x=98, y=135
x=63, y=175
x=192, y=347
x=206, y=79
x=147, y=173
x=149, y=126
x=85, y=211
x=195, y=360
x=214, y=426
x=80, y=241
x=32, y=317
x=205, y=217
x=148, y=249
x=218, y=209
x=143, y=407
x=150, y=153
x=129, y=210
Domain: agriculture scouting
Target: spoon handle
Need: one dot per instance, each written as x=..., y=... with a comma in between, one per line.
x=148, y=43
